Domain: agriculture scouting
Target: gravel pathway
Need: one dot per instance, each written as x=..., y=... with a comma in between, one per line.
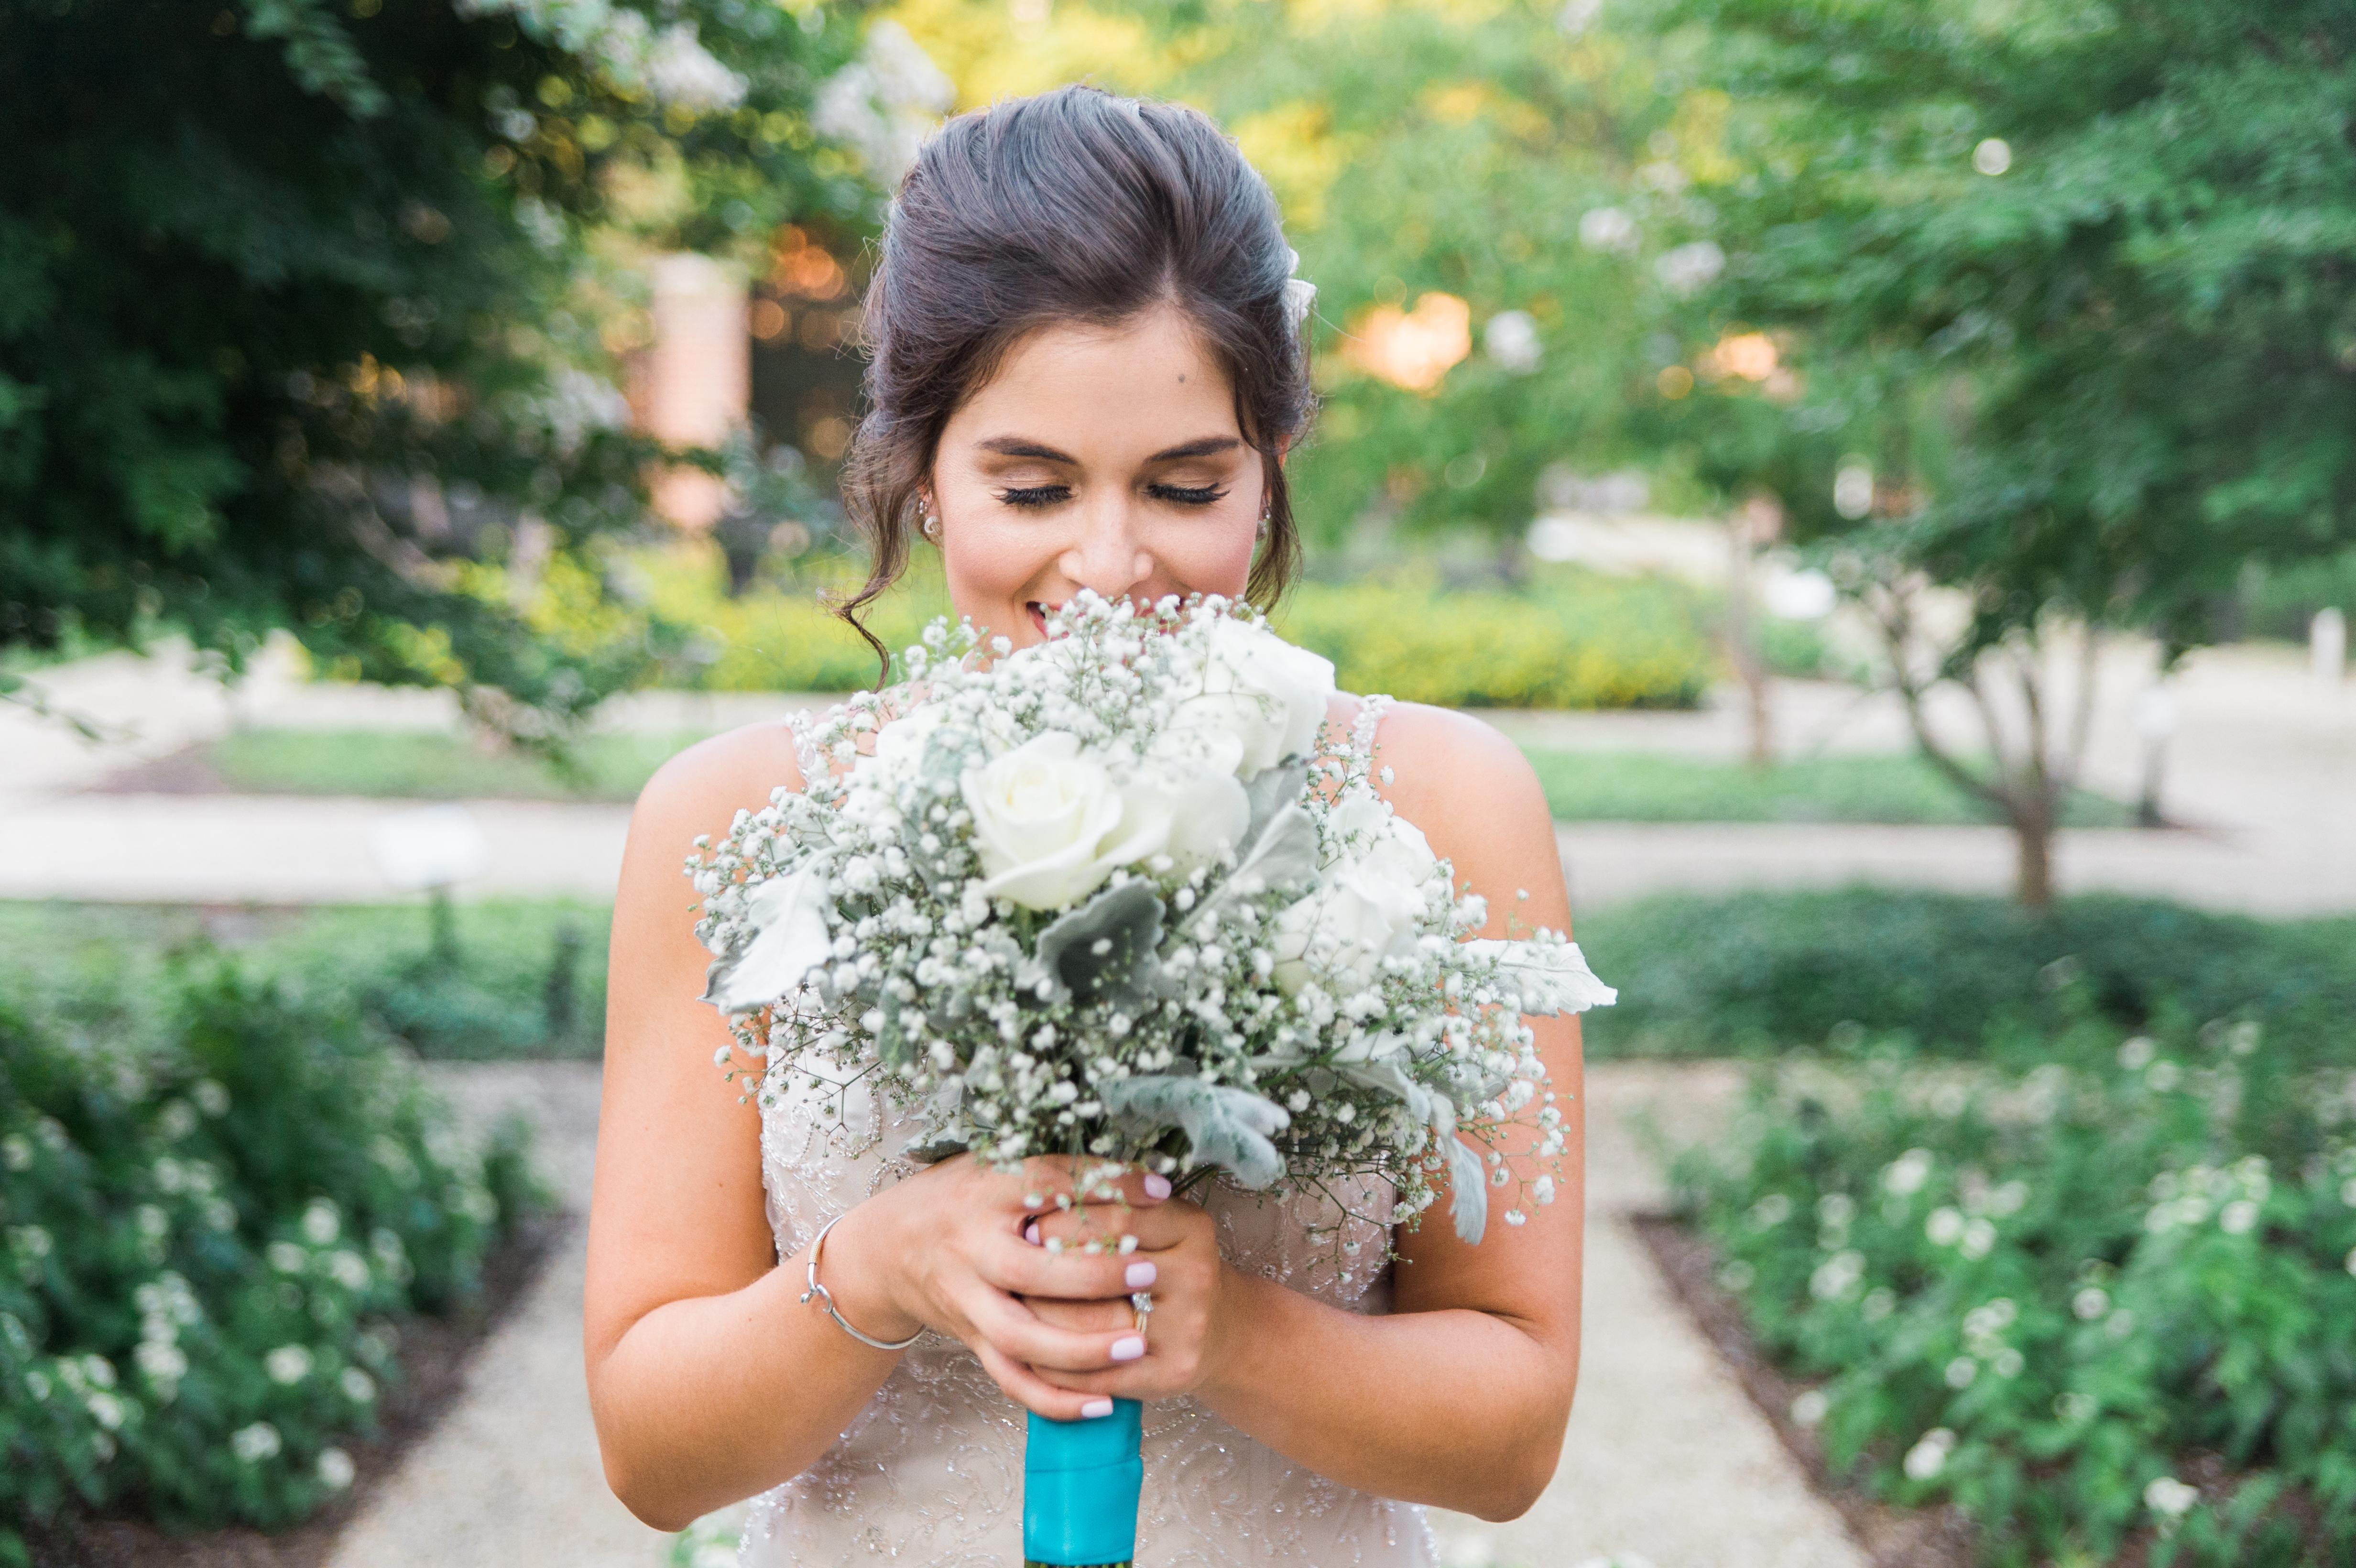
x=1666, y=1460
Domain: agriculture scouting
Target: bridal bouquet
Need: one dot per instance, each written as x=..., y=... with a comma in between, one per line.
x=1112, y=897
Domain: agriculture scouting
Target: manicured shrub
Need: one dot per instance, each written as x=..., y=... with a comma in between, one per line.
x=514, y=977
x=1571, y=640
x=1710, y=974
x=2103, y=1305
x=208, y=1238
x=1568, y=640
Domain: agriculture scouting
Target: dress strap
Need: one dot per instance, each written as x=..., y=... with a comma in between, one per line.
x=806, y=754
x=1361, y=733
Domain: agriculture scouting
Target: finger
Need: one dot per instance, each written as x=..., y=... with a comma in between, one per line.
x=1064, y=1182
x=1026, y=1388
x=1093, y=1228
x=1132, y=1188
x=1015, y=1332
x=1160, y=1228
x=1019, y=1268
x=1109, y=1316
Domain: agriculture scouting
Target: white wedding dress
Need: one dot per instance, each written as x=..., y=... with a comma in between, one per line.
x=930, y=1473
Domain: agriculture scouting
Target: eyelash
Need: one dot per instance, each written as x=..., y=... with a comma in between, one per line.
x=1048, y=495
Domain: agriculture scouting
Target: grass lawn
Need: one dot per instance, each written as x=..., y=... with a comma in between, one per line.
x=1581, y=787
x=428, y=765
x=1634, y=786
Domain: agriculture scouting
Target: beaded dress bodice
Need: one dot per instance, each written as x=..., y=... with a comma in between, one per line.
x=930, y=1472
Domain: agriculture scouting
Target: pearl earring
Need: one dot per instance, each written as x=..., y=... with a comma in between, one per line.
x=931, y=527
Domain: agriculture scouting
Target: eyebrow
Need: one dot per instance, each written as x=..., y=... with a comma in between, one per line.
x=1017, y=446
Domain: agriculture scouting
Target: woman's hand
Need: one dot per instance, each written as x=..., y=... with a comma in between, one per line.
x=947, y=1250
x=1184, y=1331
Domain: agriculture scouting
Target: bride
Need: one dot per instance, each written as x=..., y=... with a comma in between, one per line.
x=1088, y=368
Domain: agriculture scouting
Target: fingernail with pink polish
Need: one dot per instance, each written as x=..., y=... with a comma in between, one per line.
x=1128, y=1348
x=1096, y=1408
x=1141, y=1276
x=1156, y=1186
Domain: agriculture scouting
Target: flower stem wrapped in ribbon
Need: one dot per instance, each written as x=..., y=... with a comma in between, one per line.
x=1120, y=896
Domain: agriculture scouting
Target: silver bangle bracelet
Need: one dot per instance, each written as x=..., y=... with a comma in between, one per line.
x=826, y=1298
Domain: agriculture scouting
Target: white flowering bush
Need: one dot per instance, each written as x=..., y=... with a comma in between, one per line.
x=1122, y=896
x=2104, y=1305
x=205, y=1244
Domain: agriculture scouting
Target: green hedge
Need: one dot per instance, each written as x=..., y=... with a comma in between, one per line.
x=1766, y=971
x=1570, y=639
x=215, y=1214
x=2103, y=1306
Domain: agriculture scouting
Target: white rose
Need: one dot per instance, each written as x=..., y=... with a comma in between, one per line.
x=1050, y=825
x=1270, y=696
x=1367, y=906
x=1206, y=806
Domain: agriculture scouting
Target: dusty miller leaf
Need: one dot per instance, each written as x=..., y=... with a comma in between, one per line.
x=1225, y=1125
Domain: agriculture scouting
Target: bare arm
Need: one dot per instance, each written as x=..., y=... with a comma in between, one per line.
x=1459, y=1397
x=708, y=1378
x=706, y=1383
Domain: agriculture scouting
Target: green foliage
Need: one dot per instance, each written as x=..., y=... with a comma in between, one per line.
x=2066, y=277
x=528, y=978
x=2102, y=1305
x=1760, y=971
x=2283, y=604
x=209, y=1238
x=296, y=315
x=1415, y=149
x=1642, y=787
x=1568, y=640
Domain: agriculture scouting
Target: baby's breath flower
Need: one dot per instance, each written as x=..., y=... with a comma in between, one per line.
x=1270, y=977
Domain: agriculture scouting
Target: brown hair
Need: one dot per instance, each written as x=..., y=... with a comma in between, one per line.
x=1074, y=205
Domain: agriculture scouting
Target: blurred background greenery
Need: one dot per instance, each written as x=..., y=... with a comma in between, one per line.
x=1666, y=348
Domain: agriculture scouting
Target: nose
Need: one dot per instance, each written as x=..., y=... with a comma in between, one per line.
x=1108, y=556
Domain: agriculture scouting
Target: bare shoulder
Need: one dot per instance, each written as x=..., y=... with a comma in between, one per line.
x=711, y=781
x=1474, y=796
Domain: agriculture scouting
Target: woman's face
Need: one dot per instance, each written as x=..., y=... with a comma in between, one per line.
x=1098, y=457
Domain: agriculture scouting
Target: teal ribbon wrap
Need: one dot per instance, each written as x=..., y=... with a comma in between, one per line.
x=1080, y=1482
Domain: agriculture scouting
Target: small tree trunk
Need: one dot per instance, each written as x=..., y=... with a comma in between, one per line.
x=2032, y=833
x=1513, y=559
x=1743, y=647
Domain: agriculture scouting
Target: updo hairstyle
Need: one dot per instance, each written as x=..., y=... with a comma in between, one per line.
x=1073, y=205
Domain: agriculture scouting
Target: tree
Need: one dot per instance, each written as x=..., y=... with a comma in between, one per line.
x=298, y=320
x=2068, y=286
x=1439, y=170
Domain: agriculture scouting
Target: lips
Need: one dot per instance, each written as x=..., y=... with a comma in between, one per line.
x=1038, y=618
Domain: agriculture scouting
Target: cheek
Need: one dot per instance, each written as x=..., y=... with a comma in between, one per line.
x=985, y=564
x=1210, y=560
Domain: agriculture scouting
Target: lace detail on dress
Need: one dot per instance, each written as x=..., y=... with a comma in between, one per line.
x=930, y=1472
x=806, y=757
x=1362, y=733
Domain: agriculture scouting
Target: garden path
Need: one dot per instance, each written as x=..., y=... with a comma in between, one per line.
x=1666, y=1459
x=510, y=1473
x=2261, y=766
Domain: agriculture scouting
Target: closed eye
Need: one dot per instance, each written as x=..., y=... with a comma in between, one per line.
x=1036, y=495
x=1187, y=495
x=1053, y=494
